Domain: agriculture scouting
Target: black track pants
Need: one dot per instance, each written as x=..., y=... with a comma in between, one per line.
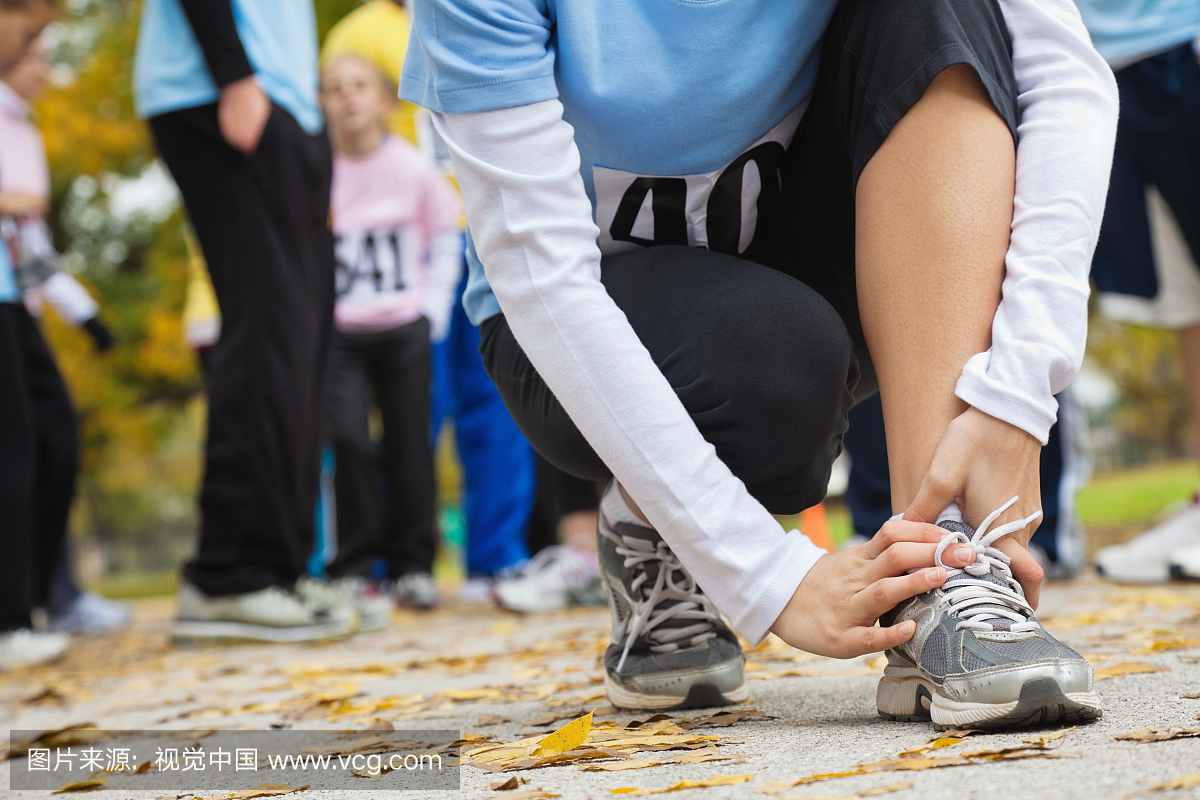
x=262, y=222
x=39, y=457
x=395, y=520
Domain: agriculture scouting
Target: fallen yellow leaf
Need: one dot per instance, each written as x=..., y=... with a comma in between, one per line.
x=618, y=766
x=716, y=780
x=264, y=790
x=1158, y=735
x=83, y=786
x=1127, y=668
x=1186, y=782
x=1047, y=737
x=917, y=764
x=568, y=737
x=470, y=694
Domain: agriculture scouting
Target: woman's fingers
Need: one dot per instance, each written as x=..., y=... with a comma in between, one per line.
x=904, y=556
x=860, y=641
x=886, y=593
x=898, y=530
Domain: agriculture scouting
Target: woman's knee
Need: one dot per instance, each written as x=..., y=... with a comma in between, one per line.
x=778, y=391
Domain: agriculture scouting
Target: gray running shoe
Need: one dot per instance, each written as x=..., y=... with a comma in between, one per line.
x=669, y=647
x=414, y=590
x=374, y=607
x=270, y=615
x=979, y=658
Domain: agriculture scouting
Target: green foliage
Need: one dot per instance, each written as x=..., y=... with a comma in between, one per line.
x=1136, y=497
x=330, y=11
x=1154, y=419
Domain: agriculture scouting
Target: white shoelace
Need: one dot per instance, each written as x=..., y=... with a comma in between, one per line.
x=975, y=600
x=690, y=605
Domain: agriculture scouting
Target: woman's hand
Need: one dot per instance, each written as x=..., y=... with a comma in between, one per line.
x=834, y=610
x=242, y=113
x=980, y=463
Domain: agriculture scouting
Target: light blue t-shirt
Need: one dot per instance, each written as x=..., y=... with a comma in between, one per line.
x=705, y=91
x=1126, y=31
x=280, y=39
x=8, y=281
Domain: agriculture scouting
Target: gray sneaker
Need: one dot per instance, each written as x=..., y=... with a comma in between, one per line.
x=374, y=607
x=414, y=590
x=669, y=647
x=269, y=615
x=979, y=658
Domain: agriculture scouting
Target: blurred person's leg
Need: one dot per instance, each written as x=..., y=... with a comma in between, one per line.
x=543, y=519
x=57, y=459
x=869, y=491
x=497, y=461
x=356, y=474
x=401, y=372
x=63, y=590
x=22, y=571
x=578, y=504
x=72, y=610
x=564, y=509
x=262, y=223
x=1158, y=143
x=563, y=570
x=17, y=448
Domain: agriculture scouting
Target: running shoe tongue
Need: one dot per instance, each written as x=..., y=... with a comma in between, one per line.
x=645, y=539
x=992, y=576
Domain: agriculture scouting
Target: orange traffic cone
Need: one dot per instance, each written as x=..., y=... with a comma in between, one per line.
x=815, y=525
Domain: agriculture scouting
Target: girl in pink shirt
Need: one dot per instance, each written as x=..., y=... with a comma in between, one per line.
x=399, y=256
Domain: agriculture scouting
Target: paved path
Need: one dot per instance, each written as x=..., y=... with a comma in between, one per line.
x=469, y=669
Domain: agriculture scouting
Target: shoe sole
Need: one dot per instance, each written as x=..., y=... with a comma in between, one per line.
x=700, y=695
x=912, y=698
x=198, y=630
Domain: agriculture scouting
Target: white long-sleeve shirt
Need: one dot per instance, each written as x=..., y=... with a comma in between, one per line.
x=533, y=230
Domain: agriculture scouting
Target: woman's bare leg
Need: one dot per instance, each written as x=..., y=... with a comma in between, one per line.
x=934, y=209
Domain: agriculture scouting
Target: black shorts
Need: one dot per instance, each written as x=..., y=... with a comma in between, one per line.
x=766, y=350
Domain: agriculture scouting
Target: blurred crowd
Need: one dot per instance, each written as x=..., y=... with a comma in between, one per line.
x=324, y=305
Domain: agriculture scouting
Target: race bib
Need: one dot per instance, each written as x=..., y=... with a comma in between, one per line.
x=718, y=210
x=374, y=263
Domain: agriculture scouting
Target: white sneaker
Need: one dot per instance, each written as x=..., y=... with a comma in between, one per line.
x=373, y=607
x=91, y=613
x=23, y=647
x=1147, y=558
x=269, y=615
x=414, y=590
x=557, y=577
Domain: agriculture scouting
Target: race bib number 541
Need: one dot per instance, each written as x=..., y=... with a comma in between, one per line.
x=718, y=210
x=373, y=263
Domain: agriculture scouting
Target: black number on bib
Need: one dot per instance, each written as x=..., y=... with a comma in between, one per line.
x=370, y=256
x=394, y=241
x=668, y=204
x=725, y=202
